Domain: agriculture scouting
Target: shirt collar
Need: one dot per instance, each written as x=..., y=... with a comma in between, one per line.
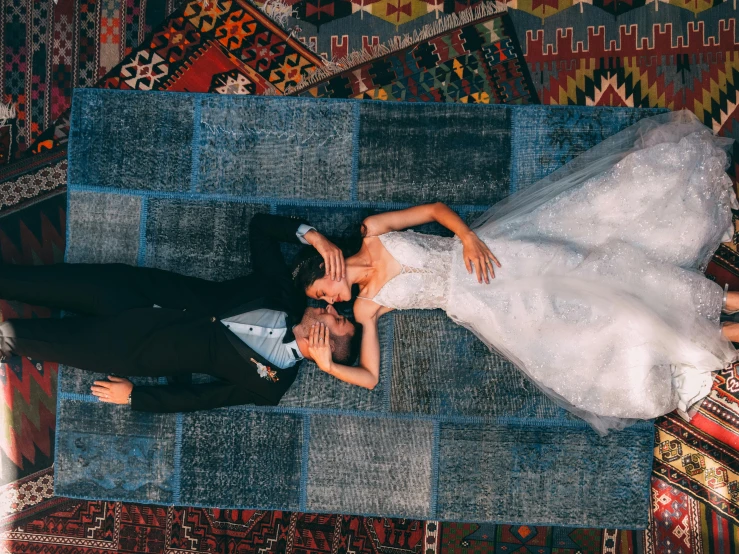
x=292, y=348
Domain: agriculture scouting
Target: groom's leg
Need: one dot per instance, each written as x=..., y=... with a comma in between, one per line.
x=107, y=344
x=102, y=289
x=73, y=341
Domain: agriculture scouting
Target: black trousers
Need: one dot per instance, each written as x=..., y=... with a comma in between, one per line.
x=108, y=289
x=118, y=329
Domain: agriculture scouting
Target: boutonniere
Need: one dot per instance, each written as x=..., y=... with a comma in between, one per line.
x=266, y=371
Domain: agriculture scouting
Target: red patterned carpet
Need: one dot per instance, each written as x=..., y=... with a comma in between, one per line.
x=49, y=48
x=99, y=526
x=29, y=237
x=668, y=54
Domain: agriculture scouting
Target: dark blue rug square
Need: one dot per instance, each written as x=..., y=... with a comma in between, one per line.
x=370, y=465
x=258, y=466
x=218, y=250
x=420, y=153
x=109, y=451
x=546, y=461
x=453, y=373
x=155, y=134
x=115, y=217
x=314, y=147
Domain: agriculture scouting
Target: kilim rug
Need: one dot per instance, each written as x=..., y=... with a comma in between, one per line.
x=49, y=48
x=221, y=166
x=32, y=236
x=340, y=29
x=475, y=63
x=32, y=179
x=94, y=526
x=680, y=525
x=673, y=525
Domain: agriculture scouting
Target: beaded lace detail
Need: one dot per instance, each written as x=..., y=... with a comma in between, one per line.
x=423, y=281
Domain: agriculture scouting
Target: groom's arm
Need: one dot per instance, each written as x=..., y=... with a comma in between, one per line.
x=190, y=398
x=266, y=232
x=179, y=396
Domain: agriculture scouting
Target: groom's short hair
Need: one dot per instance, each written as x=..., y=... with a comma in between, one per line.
x=347, y=347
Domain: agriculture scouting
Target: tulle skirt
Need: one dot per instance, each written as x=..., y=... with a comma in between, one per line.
x=601, y=299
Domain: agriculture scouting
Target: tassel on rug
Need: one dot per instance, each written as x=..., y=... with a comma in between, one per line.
x=7, y=111
x=438, y=27
x=278, y=11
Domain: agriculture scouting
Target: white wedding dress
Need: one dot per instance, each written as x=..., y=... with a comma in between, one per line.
x=600, y=299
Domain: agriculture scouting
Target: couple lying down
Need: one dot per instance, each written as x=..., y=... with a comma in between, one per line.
x=588, y=281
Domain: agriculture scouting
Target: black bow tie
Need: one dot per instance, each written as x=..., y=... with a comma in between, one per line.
x=289, y=335
x=291, y=322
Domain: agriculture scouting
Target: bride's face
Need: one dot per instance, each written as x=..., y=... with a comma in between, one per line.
x=330, y=291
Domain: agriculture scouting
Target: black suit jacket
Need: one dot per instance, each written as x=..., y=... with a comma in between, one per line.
x=205, y=303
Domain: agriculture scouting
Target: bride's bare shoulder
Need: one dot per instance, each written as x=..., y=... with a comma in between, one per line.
x=368, y=228
x=365, y=310
x=372, y=245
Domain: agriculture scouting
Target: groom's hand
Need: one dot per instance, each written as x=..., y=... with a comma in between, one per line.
x=333, y=257
x=114, y=391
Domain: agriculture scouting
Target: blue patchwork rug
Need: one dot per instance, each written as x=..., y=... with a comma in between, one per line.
x=452, y=432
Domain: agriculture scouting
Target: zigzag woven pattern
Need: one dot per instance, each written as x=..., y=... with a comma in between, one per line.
x=27, y=409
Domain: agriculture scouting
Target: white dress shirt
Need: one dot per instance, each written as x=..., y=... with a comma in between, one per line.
x=263, y=330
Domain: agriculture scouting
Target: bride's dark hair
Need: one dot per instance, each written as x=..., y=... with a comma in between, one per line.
x=308, y=266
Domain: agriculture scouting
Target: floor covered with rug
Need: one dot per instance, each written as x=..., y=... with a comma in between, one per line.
x=635, y=54
x=437, y=435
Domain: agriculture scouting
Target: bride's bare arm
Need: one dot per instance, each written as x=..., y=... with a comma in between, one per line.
x=367, y=373
x=477, y=255
x=417, y=215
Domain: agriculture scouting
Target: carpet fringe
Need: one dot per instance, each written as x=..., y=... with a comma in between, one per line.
x=278, y=11
x=7, y=111
x=438, y=27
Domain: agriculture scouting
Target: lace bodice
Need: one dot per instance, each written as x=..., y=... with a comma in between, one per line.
x=423, y=281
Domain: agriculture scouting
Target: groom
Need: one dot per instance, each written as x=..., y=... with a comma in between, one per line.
x=250, y=332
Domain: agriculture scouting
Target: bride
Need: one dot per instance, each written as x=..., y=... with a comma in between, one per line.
x=589, y=281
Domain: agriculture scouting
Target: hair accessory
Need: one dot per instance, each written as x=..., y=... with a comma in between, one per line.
x=298, y=268
x=301, y=264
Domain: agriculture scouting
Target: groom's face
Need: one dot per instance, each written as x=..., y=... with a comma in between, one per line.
x=337, y=324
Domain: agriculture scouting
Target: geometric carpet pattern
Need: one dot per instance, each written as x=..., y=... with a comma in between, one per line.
x=335, y=28
x=92, y=526
x=49, y=48
x=680, y=525
x=31, y=236
x=567, y=70
x=477, y=63
x=646, y=58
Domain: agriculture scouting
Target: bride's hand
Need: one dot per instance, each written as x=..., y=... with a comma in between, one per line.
x=477, y=255
x=319, y=347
